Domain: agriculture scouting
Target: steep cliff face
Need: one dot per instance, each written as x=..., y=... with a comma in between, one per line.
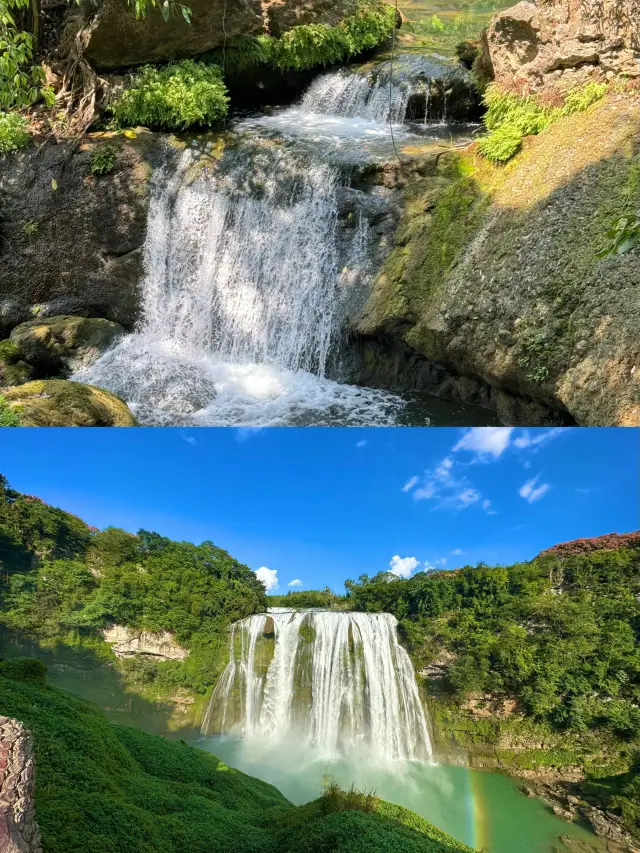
x=495, y=276
x=116, y=39
x=558, y=44
x=127, y=642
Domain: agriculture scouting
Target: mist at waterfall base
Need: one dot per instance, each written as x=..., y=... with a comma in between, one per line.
x=311, y=695
x=252, y=266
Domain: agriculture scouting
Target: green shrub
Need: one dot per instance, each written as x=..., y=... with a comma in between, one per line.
x=310, y=45
x=180, y=95
x=509, y=117
x=14, y=134
x=9, y=417
x=622, y=236
x=23, y=669
x=103, y=159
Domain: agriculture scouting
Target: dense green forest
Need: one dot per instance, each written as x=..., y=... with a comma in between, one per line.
x=62, y=581
x=102, y=788
x=559, y=634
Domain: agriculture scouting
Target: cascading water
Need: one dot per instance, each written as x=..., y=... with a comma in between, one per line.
x=248, y=279
x=339, y=683
x=257, y=250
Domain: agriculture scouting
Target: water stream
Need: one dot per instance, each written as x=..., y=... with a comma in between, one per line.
x=258, y=248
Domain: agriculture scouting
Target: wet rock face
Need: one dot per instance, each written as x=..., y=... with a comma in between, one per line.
x=72, y=241
x=565, y=43
x=118, y=40
x=18, y=827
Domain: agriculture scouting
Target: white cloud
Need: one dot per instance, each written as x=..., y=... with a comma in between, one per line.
x=269, y=577
x=525, y=440
x=296, y=582
x=485, y=441
x=444, y=487
x=457, y=552
x=410, y=484
x=361, y=443
x=531, y=492
x=189, y=439
x=403, y=566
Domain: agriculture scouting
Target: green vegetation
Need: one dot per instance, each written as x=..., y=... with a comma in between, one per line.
x=65, y=581
x=511, y=117
x=180, y=95
x=102, y=788
x=307, y=598
x=14, y=133
x=103, y=159
x=311, y=45
x=9, y=416
x=622, y=236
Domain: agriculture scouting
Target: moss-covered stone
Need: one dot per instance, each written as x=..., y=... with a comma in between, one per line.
x=64, y=344
x=14, y=370
x=58, y=402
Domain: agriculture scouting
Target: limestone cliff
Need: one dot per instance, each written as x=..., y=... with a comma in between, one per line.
x=127, y=642
x=559, y=44
x=18, y=827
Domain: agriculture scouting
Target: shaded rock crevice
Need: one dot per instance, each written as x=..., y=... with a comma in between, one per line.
x=19, y=831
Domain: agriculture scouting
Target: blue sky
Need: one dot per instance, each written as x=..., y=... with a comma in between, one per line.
x=322, y=505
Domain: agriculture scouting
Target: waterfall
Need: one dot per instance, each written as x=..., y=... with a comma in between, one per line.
x=339, y=683
x=344, y=93
x=249, y=274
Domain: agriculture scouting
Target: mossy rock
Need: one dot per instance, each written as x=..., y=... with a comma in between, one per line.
x=14, y=370
x=59, y=402
x=62, y=345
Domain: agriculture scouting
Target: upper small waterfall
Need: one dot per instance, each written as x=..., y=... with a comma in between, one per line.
x=340, y=683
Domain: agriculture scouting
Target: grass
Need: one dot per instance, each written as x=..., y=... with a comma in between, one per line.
x=9, y=416
x=103, y=788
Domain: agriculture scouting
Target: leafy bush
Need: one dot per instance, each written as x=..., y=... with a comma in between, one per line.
x=175, y=97
x=310, y=45
x=23, y=669
x=14, y=134
x=510, y=117
x=103, y=159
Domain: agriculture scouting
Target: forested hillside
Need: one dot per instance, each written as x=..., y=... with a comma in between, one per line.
x=62, y=581
x=102, y=788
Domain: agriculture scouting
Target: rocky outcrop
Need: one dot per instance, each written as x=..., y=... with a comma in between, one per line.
x=64, y=344
x=127, y=642
x=116, y=39
x=18, y=827
x=494, y=278
x=59, y=402
x=558, y=44
x=71, y=241
x=608, y=542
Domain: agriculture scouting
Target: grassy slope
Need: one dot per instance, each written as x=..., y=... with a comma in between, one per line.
x=103, y=788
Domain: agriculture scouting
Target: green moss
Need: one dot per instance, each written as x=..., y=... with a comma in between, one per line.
x=58, y=402
x=9, y=415
x=14, y=370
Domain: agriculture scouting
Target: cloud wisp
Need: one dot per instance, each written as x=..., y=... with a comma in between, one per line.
x=402, y=567
x=295, y=582
x=532, y=492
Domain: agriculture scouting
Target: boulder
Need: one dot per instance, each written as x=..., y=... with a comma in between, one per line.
x=117, y=40
x=559, y=44
x=64, y=344
x=14, y=370
x=72, y=241
x=59, y=402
